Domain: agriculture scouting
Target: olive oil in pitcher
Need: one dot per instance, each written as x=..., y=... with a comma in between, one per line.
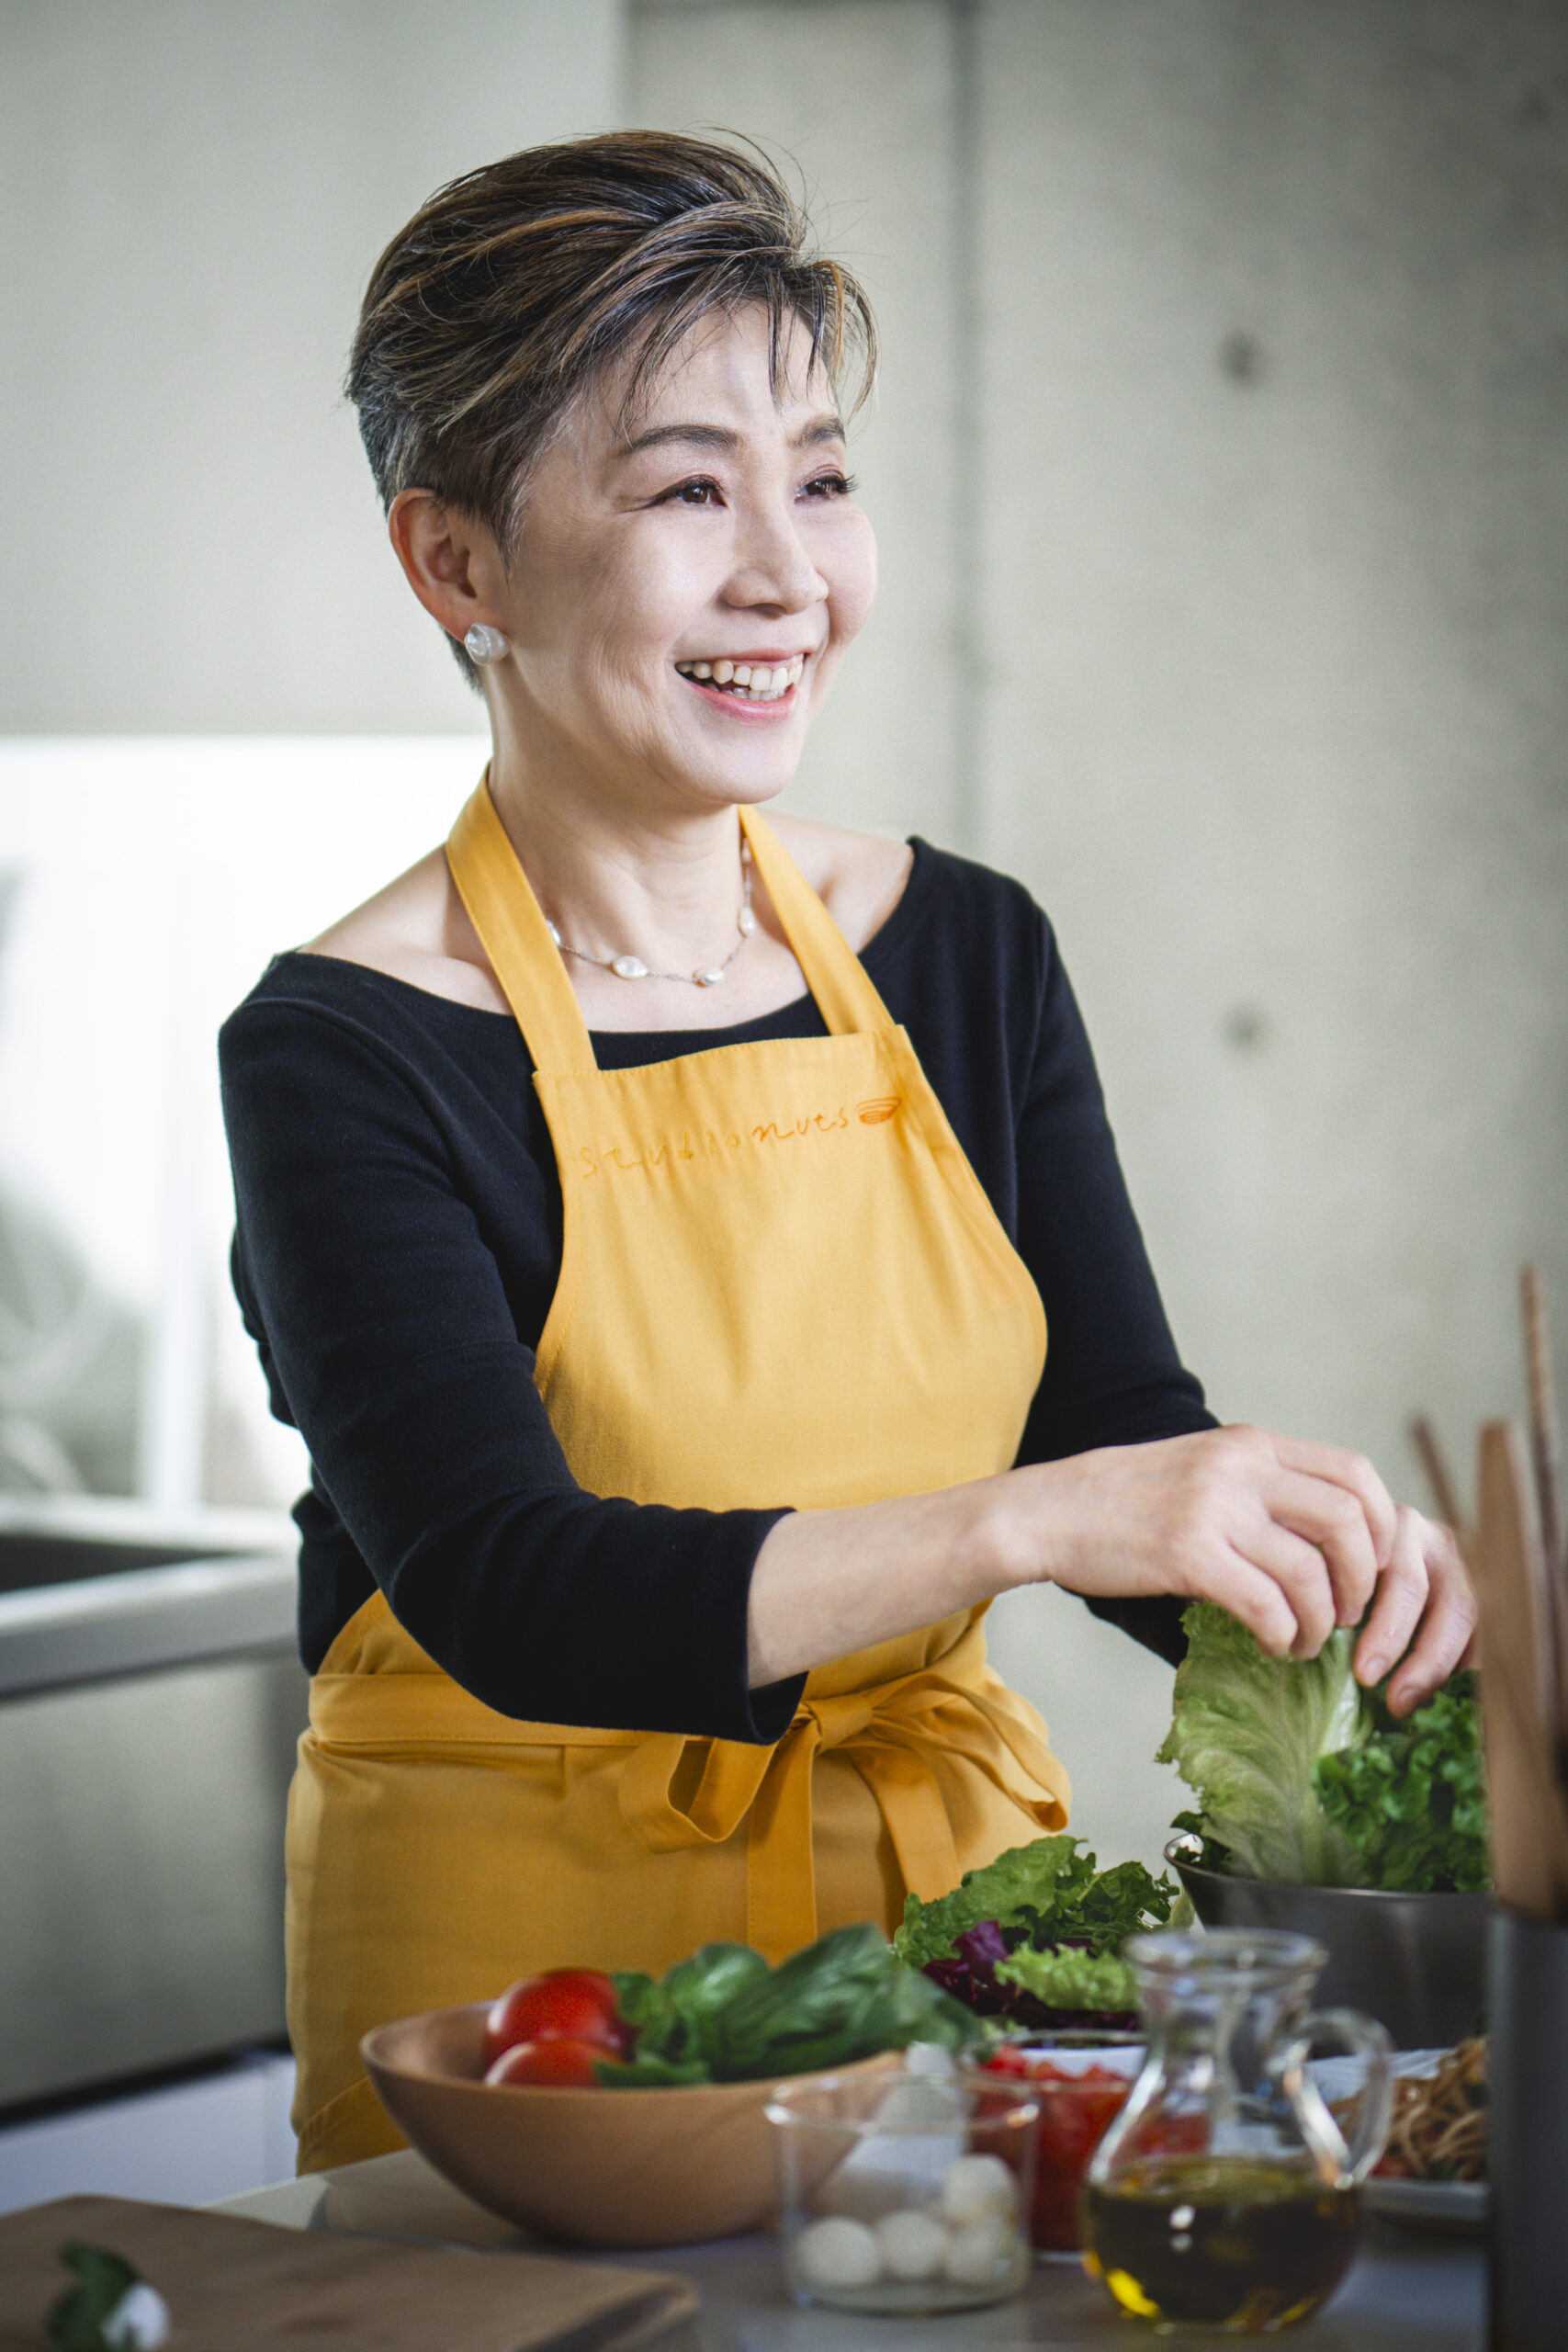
x=1224, y=2194
x=1189, y=2241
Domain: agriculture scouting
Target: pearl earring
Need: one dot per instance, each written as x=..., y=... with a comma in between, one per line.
x=483, y=644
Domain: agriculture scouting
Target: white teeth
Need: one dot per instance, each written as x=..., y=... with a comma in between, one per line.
x=755, y=682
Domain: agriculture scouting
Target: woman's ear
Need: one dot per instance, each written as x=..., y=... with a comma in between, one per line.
x=449, y=562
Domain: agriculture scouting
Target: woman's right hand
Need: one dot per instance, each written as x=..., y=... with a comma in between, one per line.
x=1291, y=1537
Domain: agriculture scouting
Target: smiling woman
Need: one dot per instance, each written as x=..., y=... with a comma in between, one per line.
x=676, y=1384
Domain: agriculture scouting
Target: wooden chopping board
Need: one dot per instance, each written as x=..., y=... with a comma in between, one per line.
x=239, y=2286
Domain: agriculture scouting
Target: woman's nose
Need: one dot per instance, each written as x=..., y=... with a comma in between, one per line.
x=772, y=565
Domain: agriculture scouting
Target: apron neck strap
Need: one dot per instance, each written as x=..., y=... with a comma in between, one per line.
x=514, y=933
x=838, y=979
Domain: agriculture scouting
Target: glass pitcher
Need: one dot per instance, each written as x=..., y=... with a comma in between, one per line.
x=1224, y=2196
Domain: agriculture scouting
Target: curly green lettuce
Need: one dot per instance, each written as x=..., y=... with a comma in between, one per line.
x=1036, y=1933
x=1411, y=1799
x=1246, y=1735
x=1071, y=1979
x=1304, y=1777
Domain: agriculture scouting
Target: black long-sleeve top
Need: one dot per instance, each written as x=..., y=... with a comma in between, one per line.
x=398, y=1245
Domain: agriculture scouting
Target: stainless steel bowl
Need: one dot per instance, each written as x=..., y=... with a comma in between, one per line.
x=1416, y=1962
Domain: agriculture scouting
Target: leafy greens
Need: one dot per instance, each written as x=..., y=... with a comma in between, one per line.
x=1413, y=1799
x=1247, y=1734
x=1036, y=1934
x=724, y=2016
x=1304, y=1777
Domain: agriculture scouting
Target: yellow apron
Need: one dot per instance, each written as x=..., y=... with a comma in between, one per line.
x=781, y=1282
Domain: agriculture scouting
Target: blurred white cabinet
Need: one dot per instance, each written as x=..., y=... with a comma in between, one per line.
x=189, y=2142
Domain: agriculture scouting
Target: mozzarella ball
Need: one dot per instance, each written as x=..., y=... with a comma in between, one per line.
x=913, y=2246
x=138, y=2322
x=977, y=2186
x=839, y=2253
x=982, y=2252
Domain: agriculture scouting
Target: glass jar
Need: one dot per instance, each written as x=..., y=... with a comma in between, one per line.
x=907, y=2192
x=1081, y=2077
x=1224, y=2195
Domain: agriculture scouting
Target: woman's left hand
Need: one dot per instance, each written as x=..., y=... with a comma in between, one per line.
x=1423, y=1614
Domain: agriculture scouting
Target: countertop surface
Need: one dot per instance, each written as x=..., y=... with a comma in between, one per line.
x=1410, y=2290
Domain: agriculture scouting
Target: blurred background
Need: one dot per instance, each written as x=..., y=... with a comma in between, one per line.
x=1219, y=467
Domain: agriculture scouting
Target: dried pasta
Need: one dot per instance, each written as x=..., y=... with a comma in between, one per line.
x=1438, y=2130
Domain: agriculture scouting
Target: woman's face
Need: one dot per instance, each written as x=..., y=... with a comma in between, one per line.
x=718, y=529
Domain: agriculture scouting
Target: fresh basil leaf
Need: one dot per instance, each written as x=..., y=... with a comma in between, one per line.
x=725, y=2016
x=649, y=2073
x=103, y=2280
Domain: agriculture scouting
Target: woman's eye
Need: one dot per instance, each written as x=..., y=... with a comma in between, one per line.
x=701, y=492
x=831, y=485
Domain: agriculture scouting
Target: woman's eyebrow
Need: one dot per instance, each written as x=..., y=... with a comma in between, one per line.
x=830, y=427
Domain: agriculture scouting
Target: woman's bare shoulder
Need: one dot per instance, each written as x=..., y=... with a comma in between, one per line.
x=860, y=878
x=416, y=929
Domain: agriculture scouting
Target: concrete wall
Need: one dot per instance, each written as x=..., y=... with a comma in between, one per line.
x=1240, y=520
x=195, y=195
x=1219, y=471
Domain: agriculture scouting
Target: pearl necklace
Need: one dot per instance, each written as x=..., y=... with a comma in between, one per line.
x=708, y=976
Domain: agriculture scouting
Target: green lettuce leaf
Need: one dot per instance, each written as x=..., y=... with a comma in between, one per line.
x=1039, y=1895
x=1071, y=1978
x=1247, y=1735
x=1027, y=1885
x=1413, y=1799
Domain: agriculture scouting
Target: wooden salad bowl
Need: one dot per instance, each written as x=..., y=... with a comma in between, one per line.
x=597, y=2167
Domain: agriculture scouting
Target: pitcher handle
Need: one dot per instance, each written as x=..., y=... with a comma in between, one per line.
x=1362, y=2038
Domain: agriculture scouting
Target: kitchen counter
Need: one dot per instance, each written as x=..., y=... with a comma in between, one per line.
x=1410, y=2291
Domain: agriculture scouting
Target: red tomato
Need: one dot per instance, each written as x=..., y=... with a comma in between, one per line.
x=1075, y=2112
x=567, y=2064
x=563, y=2005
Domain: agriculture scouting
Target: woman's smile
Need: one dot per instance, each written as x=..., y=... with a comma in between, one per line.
x=747, y=686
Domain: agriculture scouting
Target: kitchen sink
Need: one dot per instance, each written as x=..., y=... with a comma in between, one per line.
x=151, y=1697
x=31, y=1557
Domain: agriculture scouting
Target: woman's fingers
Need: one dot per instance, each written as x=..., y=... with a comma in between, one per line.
x=1355, y=1476
x=1442, y=1621
x=1257, y=1598
x=1404, y=1590
x=1298, y=1571
x=1291, y=1538
x=1333, y=1519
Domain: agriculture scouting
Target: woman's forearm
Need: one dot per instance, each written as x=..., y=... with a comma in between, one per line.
x=828, y=1582
x=1292, y=1538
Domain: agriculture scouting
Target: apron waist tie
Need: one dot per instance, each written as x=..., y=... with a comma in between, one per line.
x=677, y=1792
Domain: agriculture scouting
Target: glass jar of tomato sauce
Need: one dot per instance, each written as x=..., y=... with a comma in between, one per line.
x=1081, y=2079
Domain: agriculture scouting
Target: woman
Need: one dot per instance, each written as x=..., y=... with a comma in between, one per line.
x=645, y=1210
